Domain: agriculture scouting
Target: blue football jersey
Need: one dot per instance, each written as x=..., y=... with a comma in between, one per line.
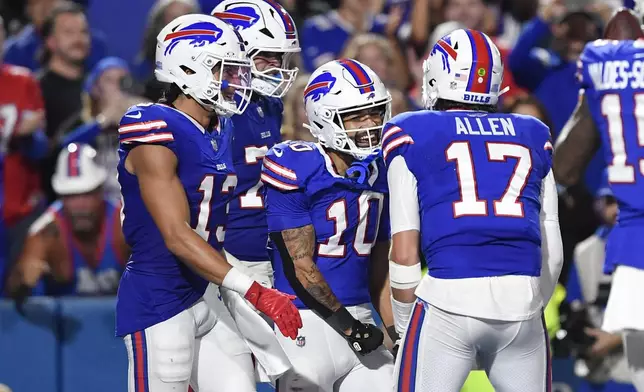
x=256, y=130
x=156, y=285
x=479, y=187
x=612, y=74
x=303, y=188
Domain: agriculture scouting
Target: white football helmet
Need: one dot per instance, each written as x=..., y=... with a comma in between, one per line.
x=463, y=66
x=337, y=89
x=205, y=57
x=265, y=26
x=77, y=171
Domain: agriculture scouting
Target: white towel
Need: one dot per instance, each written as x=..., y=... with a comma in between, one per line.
x=271, y=360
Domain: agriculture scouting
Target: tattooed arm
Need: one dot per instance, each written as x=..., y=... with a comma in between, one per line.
x=34, y=260
x=300, y=243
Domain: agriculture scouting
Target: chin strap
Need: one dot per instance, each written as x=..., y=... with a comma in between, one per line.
x=359, y=170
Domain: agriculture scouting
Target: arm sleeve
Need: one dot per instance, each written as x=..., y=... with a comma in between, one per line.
x=286, y=210
x=403, y=197
x=551, y=244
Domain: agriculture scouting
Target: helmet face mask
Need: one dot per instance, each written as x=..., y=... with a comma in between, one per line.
x=206, y=59
x=347, y=106
x=274, y=81
x=266, y=28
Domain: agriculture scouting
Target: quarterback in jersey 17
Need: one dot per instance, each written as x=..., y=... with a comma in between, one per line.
x=174, y=170
x=495, y=256
x=329, y=229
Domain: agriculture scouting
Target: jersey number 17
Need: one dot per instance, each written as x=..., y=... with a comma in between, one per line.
x=470, y=204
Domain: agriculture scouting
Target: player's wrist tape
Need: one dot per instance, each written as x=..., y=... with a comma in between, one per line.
x=404, y=277
x=402, y=314
x=341, y=320
x=237, y=281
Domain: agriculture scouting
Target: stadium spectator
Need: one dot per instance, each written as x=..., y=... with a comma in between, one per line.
x=105, y=99
x=77, y=243
x=295, y=113
x=25, y=48
x=162, y=13
x=22, y=143
x=382, y=56
x=66, y=38
x=324, y=36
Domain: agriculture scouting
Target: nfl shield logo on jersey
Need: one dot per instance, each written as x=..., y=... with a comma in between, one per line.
x=300, y=341
x=214, y=145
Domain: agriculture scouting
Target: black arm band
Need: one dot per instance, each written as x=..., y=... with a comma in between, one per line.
x=341, y=320
x=289, y=271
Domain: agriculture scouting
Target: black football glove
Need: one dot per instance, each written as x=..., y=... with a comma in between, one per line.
x=364, y=338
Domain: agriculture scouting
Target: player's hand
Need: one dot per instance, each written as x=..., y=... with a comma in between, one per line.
x=364, y=338
x=278, y=306
x=605, y=342
x=32, y=271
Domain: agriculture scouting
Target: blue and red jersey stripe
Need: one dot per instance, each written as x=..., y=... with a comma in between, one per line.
x=364, y=82
x=482, y=63
x=289, y=25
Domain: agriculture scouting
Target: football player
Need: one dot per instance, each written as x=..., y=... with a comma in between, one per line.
x=174, y=171
x=271, y=41
x=474, y=191
x=328, y=221
x=611, y=113
x=63, y=242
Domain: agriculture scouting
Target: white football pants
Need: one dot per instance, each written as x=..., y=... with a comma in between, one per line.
x=440, y=348
x=323, y=361
x=197, y=347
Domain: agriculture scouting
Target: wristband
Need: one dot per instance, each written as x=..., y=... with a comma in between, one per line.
x=341, y=320
x=237, y=281
x=404, y=277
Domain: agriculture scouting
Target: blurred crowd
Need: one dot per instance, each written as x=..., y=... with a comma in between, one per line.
x=60, y=87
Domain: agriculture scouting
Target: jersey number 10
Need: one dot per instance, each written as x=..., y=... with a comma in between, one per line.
x=470, y=204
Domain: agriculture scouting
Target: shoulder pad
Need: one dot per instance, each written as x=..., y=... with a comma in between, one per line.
x=289, y=164
x=396, y=137
x=145, y=123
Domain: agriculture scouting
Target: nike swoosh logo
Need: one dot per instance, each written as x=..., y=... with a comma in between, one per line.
x=137, y=115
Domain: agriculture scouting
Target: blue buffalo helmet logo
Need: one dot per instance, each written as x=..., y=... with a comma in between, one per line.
x=445, y=49
x=320, y=86
x=239, y=17
x=197, y=34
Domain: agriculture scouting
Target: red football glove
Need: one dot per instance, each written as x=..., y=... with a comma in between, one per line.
x=278, y=306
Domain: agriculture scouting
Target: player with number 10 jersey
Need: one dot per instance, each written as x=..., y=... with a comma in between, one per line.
x=329, y=230
x=474, y=191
